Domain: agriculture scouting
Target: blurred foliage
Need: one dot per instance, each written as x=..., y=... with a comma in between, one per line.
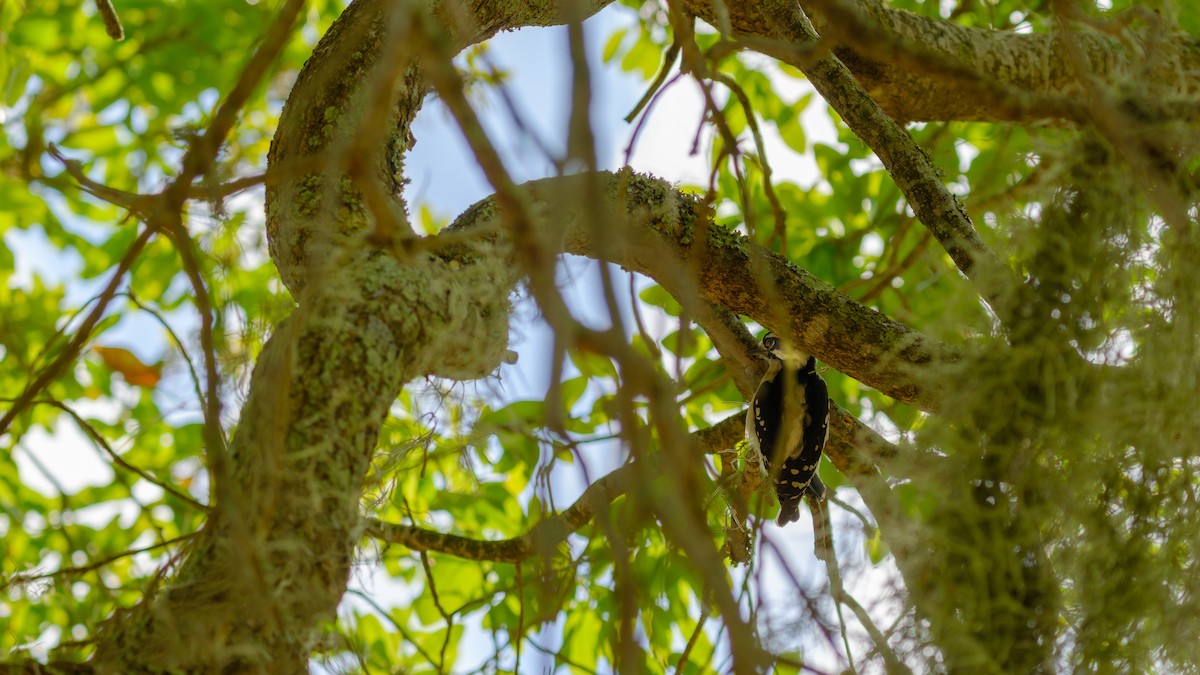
x=126, y=110
x=1058, y=483
x=1103, y=474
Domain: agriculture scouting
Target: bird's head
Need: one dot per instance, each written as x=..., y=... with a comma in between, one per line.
x=774, y=346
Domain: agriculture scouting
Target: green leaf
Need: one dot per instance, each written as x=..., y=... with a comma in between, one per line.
x=613, y=45
x=643, y=56
x=659, y=297
x=794, y=136
x=593, y=365
x=876, y=548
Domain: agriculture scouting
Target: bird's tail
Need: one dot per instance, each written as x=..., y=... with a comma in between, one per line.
x=789, y=512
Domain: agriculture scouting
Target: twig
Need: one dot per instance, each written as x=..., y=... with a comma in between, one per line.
x=520, y=617
x=437, y=602
x=196, y=161
x=833, y=499
x=120, y=461
x=112, y=22
x=178, y=343
x=883, y=280
x=768, y=187
x=687, y=649
x=911, y=168
x=92, y=566
x=545, y=534
x=558, y=655
x=84, y=333
x=669, y=58
x=142, y=205
x=840, y=596
x=549, y=532
x=514, y=113
x=214, y=436
x=641, y=123
x=203, y=150
x=380, y=611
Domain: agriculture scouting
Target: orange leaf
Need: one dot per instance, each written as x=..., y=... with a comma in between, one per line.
x=130, y=367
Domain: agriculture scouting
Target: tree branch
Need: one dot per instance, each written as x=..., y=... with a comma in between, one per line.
x=542, y=538
x=665, y=237
x=846, y=25
x=32, y=667
x=908, y=165
x=83, y=332
x=904, y=62
x=853, y=447
x=272, y=563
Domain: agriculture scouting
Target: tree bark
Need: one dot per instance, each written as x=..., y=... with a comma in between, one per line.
x=379, y=307
x=918, y=68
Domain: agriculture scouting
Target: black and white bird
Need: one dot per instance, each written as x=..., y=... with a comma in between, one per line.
x=788, y=424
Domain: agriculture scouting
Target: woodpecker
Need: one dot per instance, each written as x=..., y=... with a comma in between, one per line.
x=788, y=424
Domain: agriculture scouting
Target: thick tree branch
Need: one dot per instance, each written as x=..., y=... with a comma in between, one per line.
x=332, y=98
x=912, y=64
x=272, y=562
x=854, y=448
x=1037, y=64
x=663, y=241
x=875, y=45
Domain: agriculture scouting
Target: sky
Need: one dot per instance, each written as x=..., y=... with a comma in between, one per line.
x=445, y=178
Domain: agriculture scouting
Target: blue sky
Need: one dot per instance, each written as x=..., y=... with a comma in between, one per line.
x=444, y=176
